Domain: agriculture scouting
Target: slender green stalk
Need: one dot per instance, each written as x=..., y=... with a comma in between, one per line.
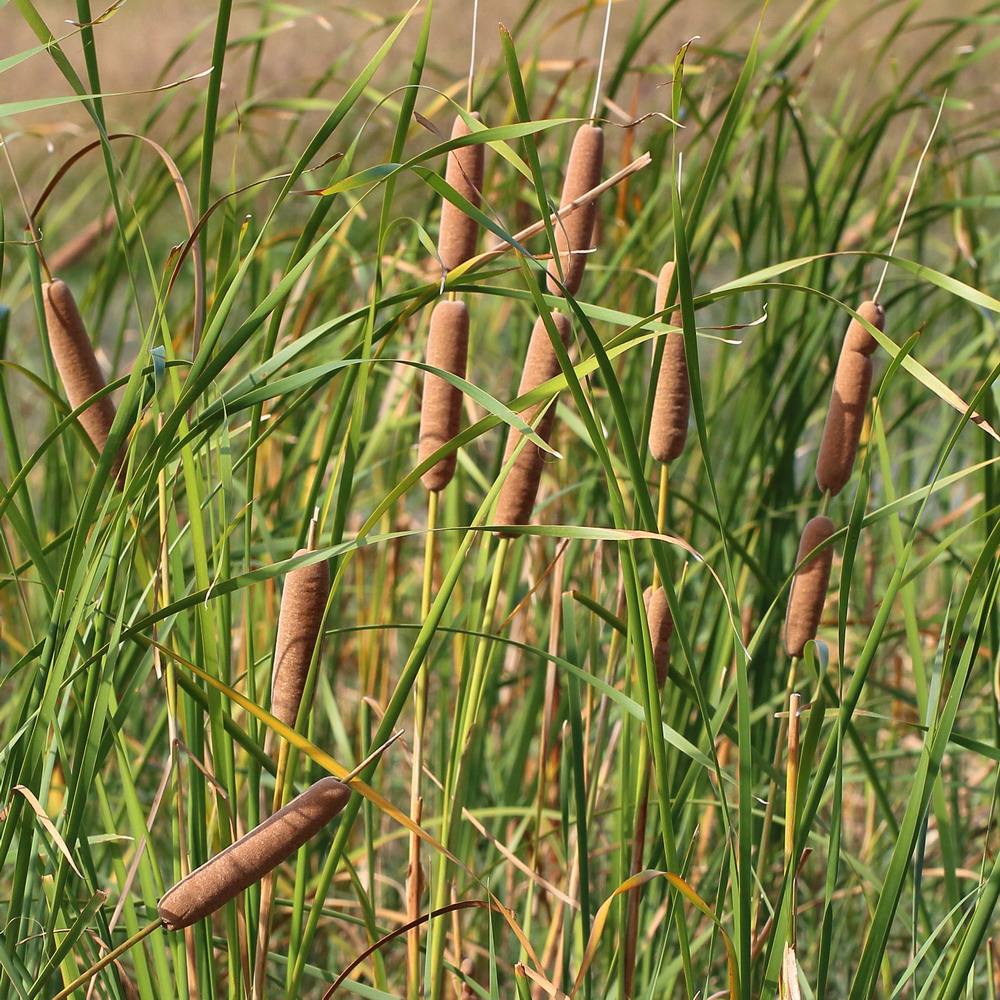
x=107, y=959
x=414, y=876
x=462, y=755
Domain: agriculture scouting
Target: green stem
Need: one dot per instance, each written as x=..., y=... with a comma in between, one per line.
x=211, y=120
x=454, y=792
x=108, y=959
x=413, y=891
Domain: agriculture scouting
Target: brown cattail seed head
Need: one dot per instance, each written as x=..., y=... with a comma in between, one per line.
x=517, y=495
x=250, y=858
x=441, y=408
x=672, y=400
x=845, y=419
x=77, y=364
x=663, y=286
x=809, y=586
x=574, y=232
x=303, y=602
x=661, y=628
x=464, y=172
x=468, y=969
x=857, y=338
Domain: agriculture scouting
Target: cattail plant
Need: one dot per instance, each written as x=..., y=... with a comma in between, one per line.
x=575, y=231
x=77, y=364
x=250, y=858
x=661, y=628
x=672, y=400
x=851, y=391
x=441, y=408
x=300, y=620
x=468, y=969
x=464, y=172
x=809, y=586
x=440, y=421
x=517, y=495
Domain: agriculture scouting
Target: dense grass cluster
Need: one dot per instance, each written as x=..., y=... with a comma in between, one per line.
x=647, y=621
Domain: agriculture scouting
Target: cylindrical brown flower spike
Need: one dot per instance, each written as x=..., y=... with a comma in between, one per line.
x=672, y=400
x=250, y=858
x=845, y=417
x=441, y=407
x=857, y=338
x=809, y=586
x=468, y=968
x=464, y=172
x=661, y=628
x=303, y=602
x=77, y=364
x=575, y=231
x=517, y=495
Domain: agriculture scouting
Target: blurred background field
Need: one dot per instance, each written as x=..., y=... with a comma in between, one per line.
x=137, y=40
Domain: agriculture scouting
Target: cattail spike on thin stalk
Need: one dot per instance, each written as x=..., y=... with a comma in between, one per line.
x=575, y=232
x=303, y=602
x=250, y=858
x=858, y=338
x=808, y=593
x=845, y=416
x=672, y=400
x=77, y=364
x=464, y=172
x=468, y=970
x=441, y=408
x=517, y=495
x=661, y=628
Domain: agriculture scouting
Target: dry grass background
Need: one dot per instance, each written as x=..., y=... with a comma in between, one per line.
x=137, y=40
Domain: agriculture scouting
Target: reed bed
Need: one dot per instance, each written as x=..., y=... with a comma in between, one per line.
x=565, y=789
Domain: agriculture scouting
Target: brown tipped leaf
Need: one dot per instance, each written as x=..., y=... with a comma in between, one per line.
x=809, y=586
x=575, y=231
x=672, y=400
x=441, y=408
x=464, y=172
x=303, y=602
x=250, y=858
x=517, y=495
x=661, y=628
x=77, y=364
